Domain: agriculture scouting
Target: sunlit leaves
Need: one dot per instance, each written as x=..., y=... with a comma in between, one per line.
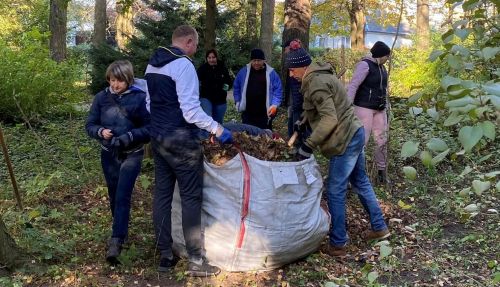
x=490, y=52
x=426, y=158
x=488, y=129
x=480, y=186
x=410, y=148
x=410, y=172
x=437, y=145
x=470, y=136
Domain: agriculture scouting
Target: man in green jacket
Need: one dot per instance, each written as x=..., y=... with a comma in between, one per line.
x=339, y=135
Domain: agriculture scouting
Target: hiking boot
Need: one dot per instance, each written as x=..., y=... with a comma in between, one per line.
x=114, y=250
x=336, y=251
x=377, y=235
x=167, y=264
x=202, y=270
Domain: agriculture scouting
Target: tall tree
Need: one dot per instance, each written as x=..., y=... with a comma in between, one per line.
x=124, y=23
x=100, y=21
x=58, y=19
x=266, y=28
x=423, y=24
x=356, y=10
x=252, y=22
x=297, y=21
x=210, y=20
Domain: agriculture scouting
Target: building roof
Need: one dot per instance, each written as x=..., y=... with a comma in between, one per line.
x=372, y=26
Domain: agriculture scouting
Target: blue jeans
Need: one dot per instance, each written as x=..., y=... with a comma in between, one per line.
x=120, y=172
x=215, y=111
x=178, y=158
x=351, y=166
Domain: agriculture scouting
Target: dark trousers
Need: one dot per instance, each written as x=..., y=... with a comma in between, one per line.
x=178, y=157
x=261, y=121
x=120, y=172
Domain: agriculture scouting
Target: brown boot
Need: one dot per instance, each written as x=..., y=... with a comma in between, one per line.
x=336, y=251
x=377, y=235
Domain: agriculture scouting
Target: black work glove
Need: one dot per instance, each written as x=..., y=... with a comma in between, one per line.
x=122, y=141
x=299, y=127
x=304, y=152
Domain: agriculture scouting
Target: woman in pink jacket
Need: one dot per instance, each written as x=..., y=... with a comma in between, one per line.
x=368, y=92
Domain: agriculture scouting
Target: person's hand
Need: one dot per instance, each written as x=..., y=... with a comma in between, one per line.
x=299, y=126
x=106, y=134
x=271, y=112
x=224, y=135
x=122, y=141
x=304, y=152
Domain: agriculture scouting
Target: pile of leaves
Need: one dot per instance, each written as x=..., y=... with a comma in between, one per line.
x=262, y=147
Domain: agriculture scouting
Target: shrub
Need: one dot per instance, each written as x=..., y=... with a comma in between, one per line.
x=32, y=84
x=412, y=72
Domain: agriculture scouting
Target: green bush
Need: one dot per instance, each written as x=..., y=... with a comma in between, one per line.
x=412, y=72
x=33, y=85
x=338, y=59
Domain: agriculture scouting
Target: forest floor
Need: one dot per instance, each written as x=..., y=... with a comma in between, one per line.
x=65, y=223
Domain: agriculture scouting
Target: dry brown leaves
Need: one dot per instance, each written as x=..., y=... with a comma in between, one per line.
x=261, y=147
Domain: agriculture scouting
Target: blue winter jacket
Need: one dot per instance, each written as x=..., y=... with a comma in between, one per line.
x=274, y=90
x=126, y=114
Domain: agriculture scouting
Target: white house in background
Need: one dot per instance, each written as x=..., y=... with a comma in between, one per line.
x=373, y=33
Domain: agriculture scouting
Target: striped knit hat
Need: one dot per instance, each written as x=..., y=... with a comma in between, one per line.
x=297, y=57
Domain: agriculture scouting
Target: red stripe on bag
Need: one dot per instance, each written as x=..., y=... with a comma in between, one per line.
x=246, y=197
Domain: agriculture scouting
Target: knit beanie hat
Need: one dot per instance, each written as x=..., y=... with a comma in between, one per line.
x=380, y=49
x=257, y=54
x=297, y=57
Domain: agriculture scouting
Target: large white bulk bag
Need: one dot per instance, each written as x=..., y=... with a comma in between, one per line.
x=270, y=219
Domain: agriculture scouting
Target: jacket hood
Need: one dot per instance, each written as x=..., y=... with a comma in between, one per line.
x=318, y=67
x=163, y=56
x=369, y=57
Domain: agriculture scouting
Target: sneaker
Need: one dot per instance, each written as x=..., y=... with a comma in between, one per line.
x=202, y=270
x=114, y=250
x=336, y=251
x=377, y=235
x=167, y=264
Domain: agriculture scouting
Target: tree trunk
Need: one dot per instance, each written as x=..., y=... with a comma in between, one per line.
x=58, y=18
x=357, y=19
x=297, y=21
x=296, y=26
x=252, y=23
x=10, y=255
x=266, y=29
x=423, y=24
x=124, y=24
x=100, y=21
x=211, y=15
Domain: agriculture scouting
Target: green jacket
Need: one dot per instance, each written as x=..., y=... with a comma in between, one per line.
x=329, y=112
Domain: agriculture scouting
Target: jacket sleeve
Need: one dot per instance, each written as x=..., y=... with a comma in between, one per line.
x=238, y=85
x=93, y=125
x=277, y=91
x=140, y=134
x=322, y=99
x=358, y=77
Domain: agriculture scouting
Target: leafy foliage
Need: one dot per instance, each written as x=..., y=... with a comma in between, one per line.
x=33, y=85
x=464, y=107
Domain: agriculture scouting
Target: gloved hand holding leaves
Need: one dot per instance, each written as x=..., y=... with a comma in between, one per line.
x=223, y=135
x=121, y=141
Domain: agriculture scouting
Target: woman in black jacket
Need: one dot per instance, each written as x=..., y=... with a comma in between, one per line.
x=214, y=84
x=119, y=120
